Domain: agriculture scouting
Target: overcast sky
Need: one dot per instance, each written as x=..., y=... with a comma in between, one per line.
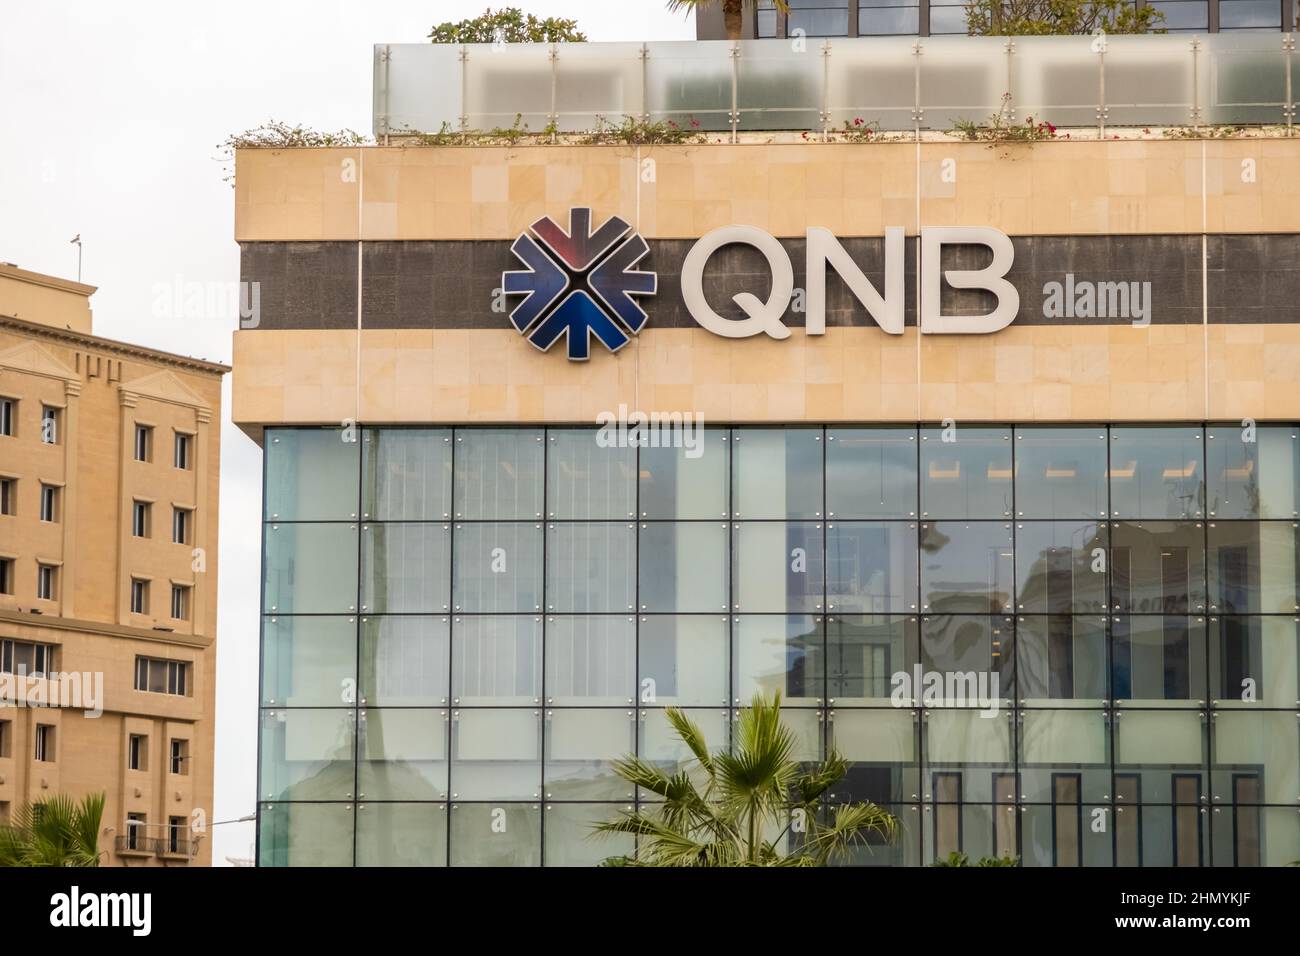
x=109, y=124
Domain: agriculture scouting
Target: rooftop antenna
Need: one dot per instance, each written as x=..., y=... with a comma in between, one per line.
x=76, y=241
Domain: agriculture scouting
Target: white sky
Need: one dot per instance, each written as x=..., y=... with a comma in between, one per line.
x=110, y=116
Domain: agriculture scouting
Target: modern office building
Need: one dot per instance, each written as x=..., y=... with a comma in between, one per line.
x=1023, y=416
x=108, y=573
x=868, y=18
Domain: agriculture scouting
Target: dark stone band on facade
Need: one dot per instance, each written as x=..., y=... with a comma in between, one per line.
x=453, y=284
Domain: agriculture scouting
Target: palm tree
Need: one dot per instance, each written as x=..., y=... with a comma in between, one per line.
x=753, y=799
x=731, y=10
x=57, y=831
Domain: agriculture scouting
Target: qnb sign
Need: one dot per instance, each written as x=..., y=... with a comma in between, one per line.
x=885, y=306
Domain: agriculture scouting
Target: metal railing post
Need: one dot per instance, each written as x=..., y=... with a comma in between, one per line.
x=1288, y=54
x=824, y=113
x=645, y=83
x=1103, y=111
x=553, y=120
x=735, y=87
x=918, y=114
x=1196, y=82
x=383, y=54
x=464, y=90
x=1010, y=47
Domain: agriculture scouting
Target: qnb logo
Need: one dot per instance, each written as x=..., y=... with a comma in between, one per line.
x=579, y=284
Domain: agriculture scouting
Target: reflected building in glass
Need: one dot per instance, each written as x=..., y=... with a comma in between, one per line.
x=464, y=628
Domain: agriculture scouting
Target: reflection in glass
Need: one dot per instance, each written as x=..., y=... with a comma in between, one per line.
x=1060, y=658
x=683, y=566
x=1253, y=661
x=966, y=473
x=586, y=480
x=304, y=834
x=778, y=472
x=405, y=567
x=1252, y=479
x=499, y=473
x=307, y=661
x=966, y=568
x=403, y=754
x=882, y=748
x=978, y=649
x=569, y=839
x=496, y=754
x=1071, y=743
x=1061, y=567
x=1261, y=746
x=1253, y=567
x=1156, y=472
x=871, y=567
x=1061, y=472
x=311, y=474
x=1158, y=658
x=871, y=473
x=1157, y=567
x=307, y=754
x=683, y=660
x=779, y=654
x=402, y=834
x=581, y=747
x=778, y=566
x=406, y=474
x=404, y=661
x=679, y=484
x=496, y=834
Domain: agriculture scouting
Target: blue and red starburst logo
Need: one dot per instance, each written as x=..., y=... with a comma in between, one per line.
x=579, y=284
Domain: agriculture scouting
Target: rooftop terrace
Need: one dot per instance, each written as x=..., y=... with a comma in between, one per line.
x=900, y=84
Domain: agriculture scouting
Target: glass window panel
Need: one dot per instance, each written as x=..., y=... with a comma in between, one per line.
x=778, y=472
x=871, y=566
x=688, y=482
x=581, y=747
x=783, y=654
x=1264, y=746
x=1061, y=472
x=905, y=850
x=496, y=754
x=1156, y=472
x=406, y=474
x=496, y=834
x=683, y=660
x=1061, y=658
x=499, y=473
x=864, y=653
x=586, y=480
x=966, y=473
x=1183, y=14
x=1061, y=567
x=405, y=661
x=887, y=21
x=1256, y=836
x=311, y=474
x=305, y=834
x=590, y=566
x=1253, y=567
x=590, y=661
x=1253, y=662
x=1151, y=835
x=1155, y=748
x=883, y=751
x=683, y=566
x=778, y=566
x=308, y=661
x=972, y=750
x=1158, y=659
x=966, y=567
x=404, y=568
x=1252, y=479
x=974, y=655
x=660, y=745
x=497, y=567
x=402, y=834
x=496, y=661
x=310, y=568
x=977, y=830
x=1061, y=834
x=1065, y=742
x=1249, y=14
x=871, y=473
x=571, y=841
x=403, y=754
x=1157, y=567
x=307, y=754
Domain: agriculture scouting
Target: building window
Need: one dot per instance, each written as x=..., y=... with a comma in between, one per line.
x=180, y=758
x=136, y=827
x=6, y=575
x=181, y=455
x=140, y=519
x=49, y=425
x=8, y=416
x=180, y=602
x=157, y=676
x=137, y=751
x=139, y=596
x=947, y=17
x=143, y=443
x=26, y=657
x=6, y=734
x=818, y=18
x=768, y=25
x=888, y=17
x=49, y=503
x=8, y=496
x=45, y=743
x=47, y=583
x=177, y=835
x=181, y=526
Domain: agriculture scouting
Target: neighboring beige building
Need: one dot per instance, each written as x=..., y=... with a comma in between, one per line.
x=109, y=458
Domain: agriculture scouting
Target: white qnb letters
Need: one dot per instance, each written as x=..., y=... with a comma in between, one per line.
x=825, y=251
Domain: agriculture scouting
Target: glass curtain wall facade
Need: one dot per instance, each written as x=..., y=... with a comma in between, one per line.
x=464, y=627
